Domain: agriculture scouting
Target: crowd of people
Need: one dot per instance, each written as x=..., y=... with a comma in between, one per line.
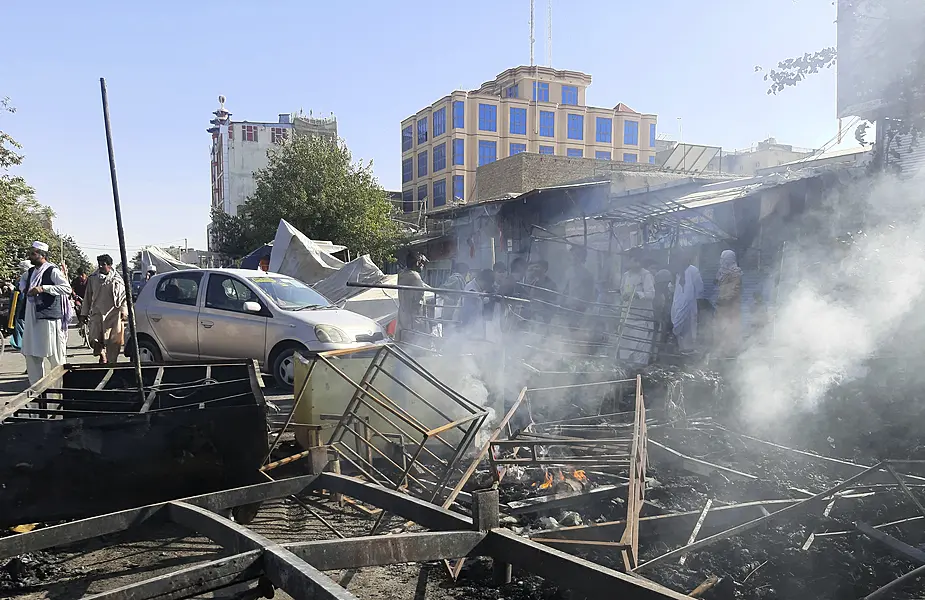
x=658, y=309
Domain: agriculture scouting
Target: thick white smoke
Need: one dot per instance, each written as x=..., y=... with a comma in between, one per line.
x=846, y=307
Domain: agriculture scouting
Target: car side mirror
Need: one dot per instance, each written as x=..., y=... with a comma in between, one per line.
x=252, y=307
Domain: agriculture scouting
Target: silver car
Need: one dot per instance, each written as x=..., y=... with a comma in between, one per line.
x=207, y=314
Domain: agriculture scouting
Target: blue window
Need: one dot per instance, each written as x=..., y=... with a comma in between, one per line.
x=651, y=135
x=651, y=160
x=488, y=117
x=459, y=153
x=574, y=152
x=518, y=148
x=422, y=163
x=519, y=121
x=459, y=114
x=407, y=201
x=407, y=170
x=601, y=155
x=512, y=92
x=631, y=133
x=569, y=95
x=576, y=127
x=440, y=157
x=407, y=138
x=459, y=188
x=440, y=192
x=439, y=122
x=547, y=149
x=422, y=197
x=604, y=130
x=540, y=92
x=547, y=123
x=422, y=130
x=488, y=152
x=631, y=158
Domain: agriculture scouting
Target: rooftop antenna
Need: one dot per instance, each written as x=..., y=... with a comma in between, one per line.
x=532, y=3
x=548, y=33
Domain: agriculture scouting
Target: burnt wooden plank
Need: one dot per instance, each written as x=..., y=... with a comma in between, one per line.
x=573, y=573
x=191, y=581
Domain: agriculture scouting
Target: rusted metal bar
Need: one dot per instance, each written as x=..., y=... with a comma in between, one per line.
x=695, y=465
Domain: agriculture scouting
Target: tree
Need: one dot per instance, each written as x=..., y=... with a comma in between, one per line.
x=22, y=218
x=229, y=235
x=313, y=183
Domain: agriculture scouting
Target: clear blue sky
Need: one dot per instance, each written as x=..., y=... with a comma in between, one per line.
x=371, y=63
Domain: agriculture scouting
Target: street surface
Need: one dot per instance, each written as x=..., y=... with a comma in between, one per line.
x=13, y=378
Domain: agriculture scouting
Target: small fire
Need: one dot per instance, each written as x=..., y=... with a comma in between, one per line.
x=548, y=483
x=580, y=475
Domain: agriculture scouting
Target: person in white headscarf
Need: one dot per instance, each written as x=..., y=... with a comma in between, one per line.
x=728, y=303
x=47, y=313
x=688, y=288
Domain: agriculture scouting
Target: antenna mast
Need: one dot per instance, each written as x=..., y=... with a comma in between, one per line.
x=532, y=3
x=548, y=33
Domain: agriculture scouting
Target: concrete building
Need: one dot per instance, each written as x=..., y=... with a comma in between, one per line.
x=764, y=155
x=240, y=148
x=525, y=109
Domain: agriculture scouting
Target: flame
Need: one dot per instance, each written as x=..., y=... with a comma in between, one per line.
x=580, y=475
x=548, y=483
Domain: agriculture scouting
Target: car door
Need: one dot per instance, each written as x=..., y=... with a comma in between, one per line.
x=173, y=314
x=226, y=330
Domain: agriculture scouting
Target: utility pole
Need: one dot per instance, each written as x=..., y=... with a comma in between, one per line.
x=532, y=25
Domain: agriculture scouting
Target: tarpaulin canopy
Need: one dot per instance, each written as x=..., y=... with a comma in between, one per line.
x=360, y=270
x=296, y=255
x=162, y=261
x=252, y=260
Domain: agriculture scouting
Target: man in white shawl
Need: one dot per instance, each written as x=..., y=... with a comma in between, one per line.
x=48, y=312
x=106, y=311
x=687, y=289
x=637, y=289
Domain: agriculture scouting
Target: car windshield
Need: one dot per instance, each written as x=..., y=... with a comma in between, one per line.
x=290, y=294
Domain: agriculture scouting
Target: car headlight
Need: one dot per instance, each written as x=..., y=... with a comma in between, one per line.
x=328, y=334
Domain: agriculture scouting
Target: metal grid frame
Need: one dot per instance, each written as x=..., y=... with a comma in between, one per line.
x=297, y=567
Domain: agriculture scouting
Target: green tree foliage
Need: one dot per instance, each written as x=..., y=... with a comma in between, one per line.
x=22, y=218
x=313, y=183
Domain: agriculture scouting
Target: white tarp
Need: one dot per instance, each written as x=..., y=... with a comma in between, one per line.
x=297, y=256
x=162, y=261
x=379, y=305
x=360, y=270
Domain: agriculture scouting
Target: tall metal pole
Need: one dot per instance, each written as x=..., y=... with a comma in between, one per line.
x=136, y=358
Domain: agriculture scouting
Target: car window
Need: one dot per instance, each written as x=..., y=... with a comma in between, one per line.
x=179, y=289
x=290, y=294
x=228, y=293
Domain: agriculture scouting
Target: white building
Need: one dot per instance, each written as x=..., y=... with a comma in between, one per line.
x=241, y=148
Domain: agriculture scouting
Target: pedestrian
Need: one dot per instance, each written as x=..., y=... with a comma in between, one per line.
x=264, y=263
x=410, y=314
x=477, y=314
x=688, y=289
x=105, y=311
x=661, y=306
x=637, y=288
x=579, y=285
x=448, y=304
x=541, y=289
x=47, y=313
x=79, y=284
x=728, y=303
x=18, y=309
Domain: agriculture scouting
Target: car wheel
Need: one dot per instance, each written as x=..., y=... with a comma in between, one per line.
x=148, y=352
x=284, y=367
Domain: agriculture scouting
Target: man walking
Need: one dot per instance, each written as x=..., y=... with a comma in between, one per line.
x=688, y=289
x=105, y=310
x=47, y=313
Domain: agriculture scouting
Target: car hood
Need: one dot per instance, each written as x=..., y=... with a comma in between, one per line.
x=350, y=322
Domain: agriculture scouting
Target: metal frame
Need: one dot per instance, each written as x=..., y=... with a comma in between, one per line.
x=297, y=567
x=354, y=437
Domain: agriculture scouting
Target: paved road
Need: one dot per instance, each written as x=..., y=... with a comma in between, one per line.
x=13, y=366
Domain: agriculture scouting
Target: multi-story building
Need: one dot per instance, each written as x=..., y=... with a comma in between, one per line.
x=240, y=148
x=524, y=109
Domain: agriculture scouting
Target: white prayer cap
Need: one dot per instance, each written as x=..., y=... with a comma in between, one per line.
x=40, y=246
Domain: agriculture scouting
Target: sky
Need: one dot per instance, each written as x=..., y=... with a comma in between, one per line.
x=371, y=64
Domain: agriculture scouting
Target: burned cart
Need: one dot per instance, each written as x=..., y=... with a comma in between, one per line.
x=83, y=440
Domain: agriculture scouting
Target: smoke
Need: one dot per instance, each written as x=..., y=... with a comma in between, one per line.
x=851, y=300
